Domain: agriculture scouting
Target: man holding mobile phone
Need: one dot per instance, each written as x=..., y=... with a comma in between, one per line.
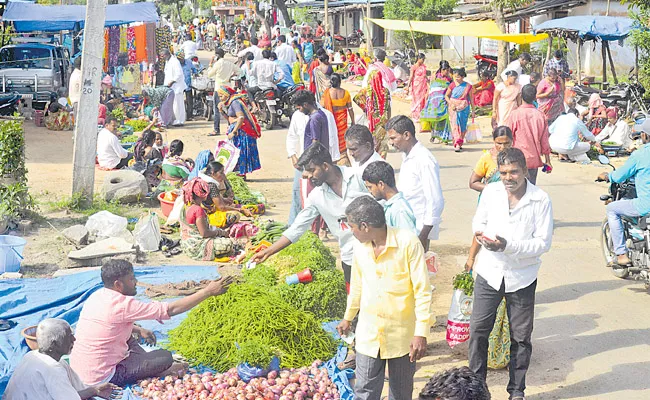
x=514, y=224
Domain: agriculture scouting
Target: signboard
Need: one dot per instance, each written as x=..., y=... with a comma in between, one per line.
x=489, y=47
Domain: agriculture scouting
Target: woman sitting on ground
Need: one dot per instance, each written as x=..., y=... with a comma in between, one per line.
x=58, y=117
x=144, y=150
x=199, y=240
x=222, y=214
x=484, y=91
x=175, y=169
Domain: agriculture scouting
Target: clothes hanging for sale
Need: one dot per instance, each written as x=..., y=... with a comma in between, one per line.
x=130, y=44
x=163, y=39
x=152, y=52
x=113, y=45
x=140, y=33
x=105, y=59
x=123, y=40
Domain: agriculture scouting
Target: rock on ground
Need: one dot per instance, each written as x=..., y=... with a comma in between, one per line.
x=78, y=234
x=125, y=186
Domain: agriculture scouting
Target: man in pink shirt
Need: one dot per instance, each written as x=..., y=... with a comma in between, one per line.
x=105, y=350
x=530, y=133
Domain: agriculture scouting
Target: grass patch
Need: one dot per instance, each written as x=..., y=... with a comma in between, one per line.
x=75, y=204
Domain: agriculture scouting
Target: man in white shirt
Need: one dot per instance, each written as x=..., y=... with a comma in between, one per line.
x=617, y=131
x=257, y=52
x=222, y=71
x=267, y=73
x=517, y=66
x=75, y=85
x=419, y=178
x=175, y=80
x=43, y=375
x=284, y=51
x=110, y=153
x=361, y=147
x=189, y=47
x=295, y=144
x=567, y=135
x=514, y=224
x=335, y=188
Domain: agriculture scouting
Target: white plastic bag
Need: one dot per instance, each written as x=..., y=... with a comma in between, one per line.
x=106, y=224
x=147, y=232
x=175, y=214
x=227, y=154
x=458, y=318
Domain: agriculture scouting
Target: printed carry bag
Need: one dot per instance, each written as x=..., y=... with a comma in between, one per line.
x=473, y=133
x=458, y=318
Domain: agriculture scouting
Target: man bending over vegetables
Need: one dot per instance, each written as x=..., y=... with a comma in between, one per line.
x=105, y=350
x=390, y=291
x=335, y=188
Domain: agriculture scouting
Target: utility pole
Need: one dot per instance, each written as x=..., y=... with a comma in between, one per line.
x=85, y=130
x=369, y=38
x=326, y=19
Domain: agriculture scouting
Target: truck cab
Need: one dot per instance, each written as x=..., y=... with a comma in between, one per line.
x=35, y=70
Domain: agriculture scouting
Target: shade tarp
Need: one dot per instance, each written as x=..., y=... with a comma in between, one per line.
x=482, y=29
x=590, y=27
x=30, y=17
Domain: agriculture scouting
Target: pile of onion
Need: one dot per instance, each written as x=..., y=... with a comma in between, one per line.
x=299, y=384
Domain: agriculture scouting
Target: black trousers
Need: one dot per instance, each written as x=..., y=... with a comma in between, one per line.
x=124, y=162
x=520, y=306
x=189, y=104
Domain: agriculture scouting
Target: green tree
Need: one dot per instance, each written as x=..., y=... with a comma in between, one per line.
x=498, y=7
x=303, y=15
x=186, y=14
x=417, y=10
x=641, y=37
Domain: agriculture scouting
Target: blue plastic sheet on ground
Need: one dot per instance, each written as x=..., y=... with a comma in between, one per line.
x=26, y=302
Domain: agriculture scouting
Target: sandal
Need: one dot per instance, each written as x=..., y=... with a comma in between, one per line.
x=214, y=134
x=166, y=230
x=566, y=160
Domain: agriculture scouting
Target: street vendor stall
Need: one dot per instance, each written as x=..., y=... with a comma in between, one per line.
x=589, y=28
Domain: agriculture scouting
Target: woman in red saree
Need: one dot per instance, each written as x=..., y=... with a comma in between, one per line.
x=418, y=86
x=549, y=96
x=484, y=91
x=339, y=103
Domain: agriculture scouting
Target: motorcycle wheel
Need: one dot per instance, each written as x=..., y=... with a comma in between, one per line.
x=271, y=121
x=607, y=246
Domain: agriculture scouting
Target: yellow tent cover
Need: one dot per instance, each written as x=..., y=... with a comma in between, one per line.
x=482, y=29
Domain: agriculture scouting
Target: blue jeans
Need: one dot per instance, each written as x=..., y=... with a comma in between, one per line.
x=615, y=210
x=217, y=114
x=296, y=205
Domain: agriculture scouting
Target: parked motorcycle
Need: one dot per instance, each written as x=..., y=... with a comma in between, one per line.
x=486, y=64
x=286, y=105
x=202, y=92
x=354, y=39
x=267, y=112
x=404, y=58
x=626, y=96
x=9, y=103
x=636, y=230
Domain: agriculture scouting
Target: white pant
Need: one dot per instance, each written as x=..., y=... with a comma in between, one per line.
x=578, y=153
x=179, y=109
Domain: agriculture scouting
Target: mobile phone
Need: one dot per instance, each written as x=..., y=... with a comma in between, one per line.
x=488, y=239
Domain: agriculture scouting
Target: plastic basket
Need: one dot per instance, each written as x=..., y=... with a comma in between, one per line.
x=11, y=253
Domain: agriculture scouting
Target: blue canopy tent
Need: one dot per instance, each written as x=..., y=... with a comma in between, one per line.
x=30, y=17
x=589, y=27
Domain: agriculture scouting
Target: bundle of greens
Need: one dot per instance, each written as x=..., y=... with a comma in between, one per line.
x=138, y=125
x=260, y=322
x=240, y=188
x=129, y=139
x=464, y=282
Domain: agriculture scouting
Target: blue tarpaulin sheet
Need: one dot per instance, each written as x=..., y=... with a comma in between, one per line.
x=591, y=27
x=26, y=302
x=30, y=17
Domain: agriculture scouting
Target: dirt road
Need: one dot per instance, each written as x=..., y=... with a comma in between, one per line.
x=592, y=330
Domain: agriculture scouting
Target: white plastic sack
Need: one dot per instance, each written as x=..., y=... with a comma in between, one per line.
x=458, y=318
x=227, y=154
x=147, y=232
x=175, y=214
x=106, y=224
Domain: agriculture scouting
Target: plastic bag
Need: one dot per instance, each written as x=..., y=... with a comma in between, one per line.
x=175, y=214
x=106, y=224
x=227, y=154
x=473, y=133
x=499, y=340
x=147, y=232
x=458, y=318
x=247, y=372
x=431, y=259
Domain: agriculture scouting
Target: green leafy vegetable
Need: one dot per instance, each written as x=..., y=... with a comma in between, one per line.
x=257, y=352
x=138, y=125
x=240, y=188
x=464, y=282
x=129, y=139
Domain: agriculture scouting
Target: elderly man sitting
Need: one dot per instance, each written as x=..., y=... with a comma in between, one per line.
x=616, y=131
x=106, y=350
x=43, y=375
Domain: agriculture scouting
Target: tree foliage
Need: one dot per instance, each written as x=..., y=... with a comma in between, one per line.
x=641, y=38
x=498, y=7
x=303, y=15
x=417, y=10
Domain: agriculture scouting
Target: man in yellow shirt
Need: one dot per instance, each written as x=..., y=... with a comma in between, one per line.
x=390, y=291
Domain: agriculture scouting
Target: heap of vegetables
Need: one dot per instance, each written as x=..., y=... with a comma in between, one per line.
x=138, y=125
x=264, y=317
x=129, y=139
x=247, y=312
x=325, y=296
x=240, y=188
x=269, y=231
x=465, y=282
x=310, y=383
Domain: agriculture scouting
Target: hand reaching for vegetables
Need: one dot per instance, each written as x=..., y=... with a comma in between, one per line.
x=260, y=256
x=215, y=288
x=148, y=336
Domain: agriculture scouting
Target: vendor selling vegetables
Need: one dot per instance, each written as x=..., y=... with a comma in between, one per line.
x=105, y=350
x=335, y=188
